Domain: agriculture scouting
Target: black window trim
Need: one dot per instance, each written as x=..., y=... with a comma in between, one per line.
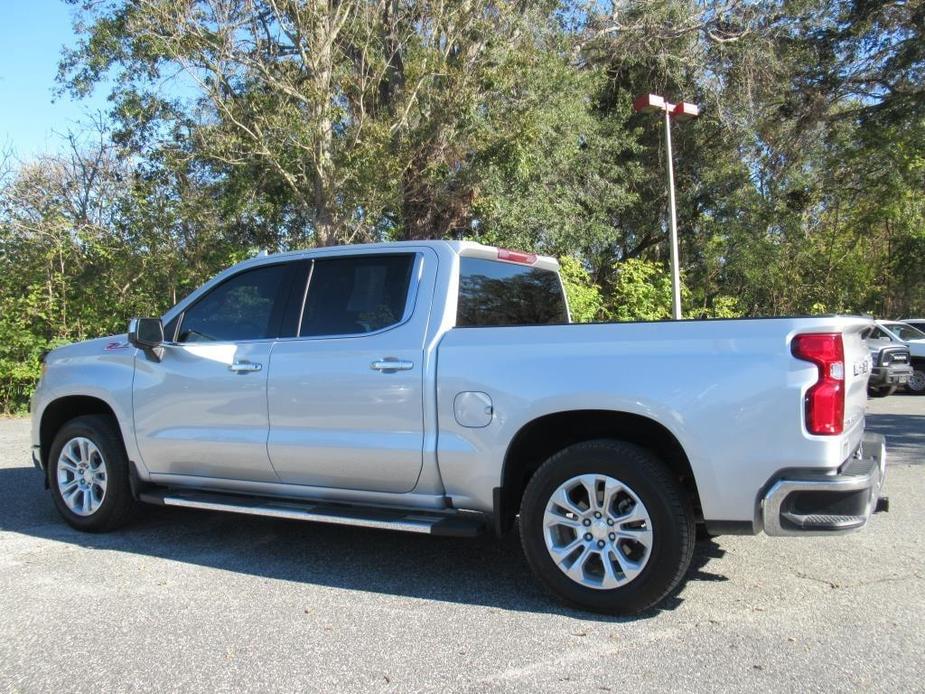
x=296, y=286
x=280, y=303
x=417, y=268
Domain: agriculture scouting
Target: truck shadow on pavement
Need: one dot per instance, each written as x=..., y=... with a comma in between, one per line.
x=484, y=571
x=905, y=434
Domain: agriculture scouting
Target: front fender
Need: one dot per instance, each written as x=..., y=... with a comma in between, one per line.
x=100, y=369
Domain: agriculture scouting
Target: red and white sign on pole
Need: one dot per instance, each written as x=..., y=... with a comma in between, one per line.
x=648, y=103
x=652, y=103
x=682, y=111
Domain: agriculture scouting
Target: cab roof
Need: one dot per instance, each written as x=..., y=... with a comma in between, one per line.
x=461, y=248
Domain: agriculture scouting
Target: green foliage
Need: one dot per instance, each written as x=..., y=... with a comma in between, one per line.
x=724, y=307
x=799, y=187
x=586, y=303
x=20, y=350
x=641, y=291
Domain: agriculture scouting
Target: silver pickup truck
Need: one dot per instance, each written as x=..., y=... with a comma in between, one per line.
x=438, y=387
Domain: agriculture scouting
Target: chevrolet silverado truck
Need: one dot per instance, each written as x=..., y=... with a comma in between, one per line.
x=438, y=387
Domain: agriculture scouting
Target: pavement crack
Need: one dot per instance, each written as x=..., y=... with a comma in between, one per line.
x=831, y=584
x=834, y=585
x=915, y=576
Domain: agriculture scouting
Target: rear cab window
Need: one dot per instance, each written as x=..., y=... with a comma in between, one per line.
x=497, y=293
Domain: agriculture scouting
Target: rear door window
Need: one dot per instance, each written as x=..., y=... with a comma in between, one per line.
x=494, y=293
x=356, y=294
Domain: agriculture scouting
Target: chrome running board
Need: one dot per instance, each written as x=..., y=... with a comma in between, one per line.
x=446, y=524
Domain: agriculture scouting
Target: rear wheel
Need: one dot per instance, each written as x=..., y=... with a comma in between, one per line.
x=88, y=474
x=606, y=527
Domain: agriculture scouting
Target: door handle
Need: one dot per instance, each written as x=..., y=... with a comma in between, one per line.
x=390, y=365
x=245, y=366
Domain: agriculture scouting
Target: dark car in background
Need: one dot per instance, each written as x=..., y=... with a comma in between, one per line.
x=891, y=367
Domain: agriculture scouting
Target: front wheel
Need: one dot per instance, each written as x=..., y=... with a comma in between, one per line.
x=916, y=383
x=881, y=392
x=606, y=527
x=88, y=474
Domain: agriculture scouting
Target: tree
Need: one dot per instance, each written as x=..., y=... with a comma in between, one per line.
x=364, y=113
x=238, y=125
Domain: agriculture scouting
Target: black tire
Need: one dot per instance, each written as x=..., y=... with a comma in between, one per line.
x=673, y=527
x=881, y=392
x=118, y=505
x=916, y=384
x=704, y=535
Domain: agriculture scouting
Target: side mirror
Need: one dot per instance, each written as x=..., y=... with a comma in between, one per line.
x=147, y=334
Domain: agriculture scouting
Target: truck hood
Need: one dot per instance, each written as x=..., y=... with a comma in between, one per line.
x=109, y=344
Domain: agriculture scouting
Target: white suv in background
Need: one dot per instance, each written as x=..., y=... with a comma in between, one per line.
x=900, y=332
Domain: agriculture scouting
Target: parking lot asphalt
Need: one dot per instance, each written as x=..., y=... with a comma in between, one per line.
x=188, y=600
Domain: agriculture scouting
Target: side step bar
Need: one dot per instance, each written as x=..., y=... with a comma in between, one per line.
x=445, y=524
x=825, y=521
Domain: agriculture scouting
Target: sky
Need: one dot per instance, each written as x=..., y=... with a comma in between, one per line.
x=32, y=33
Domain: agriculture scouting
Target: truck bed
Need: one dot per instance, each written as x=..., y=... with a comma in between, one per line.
x=729, y=391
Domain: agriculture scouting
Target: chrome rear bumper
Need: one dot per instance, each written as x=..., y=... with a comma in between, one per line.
x=828, y=504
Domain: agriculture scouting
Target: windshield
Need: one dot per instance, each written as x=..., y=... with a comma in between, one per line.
x=905, y=332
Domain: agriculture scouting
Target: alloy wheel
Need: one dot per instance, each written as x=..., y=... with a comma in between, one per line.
x=82, y=477
x=916, y=381
x=598, y=531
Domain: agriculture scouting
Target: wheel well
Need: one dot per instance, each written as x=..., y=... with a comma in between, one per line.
x=63, y=410
x=543, y=437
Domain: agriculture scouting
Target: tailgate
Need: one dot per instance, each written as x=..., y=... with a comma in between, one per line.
x=842, y=373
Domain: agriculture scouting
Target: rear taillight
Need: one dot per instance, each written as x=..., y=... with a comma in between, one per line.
x=516, y=256
x=825, y=400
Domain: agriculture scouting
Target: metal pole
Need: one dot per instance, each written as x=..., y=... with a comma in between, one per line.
x=675, y=271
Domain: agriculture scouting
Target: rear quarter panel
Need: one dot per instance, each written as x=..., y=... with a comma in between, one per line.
x=729, y=391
